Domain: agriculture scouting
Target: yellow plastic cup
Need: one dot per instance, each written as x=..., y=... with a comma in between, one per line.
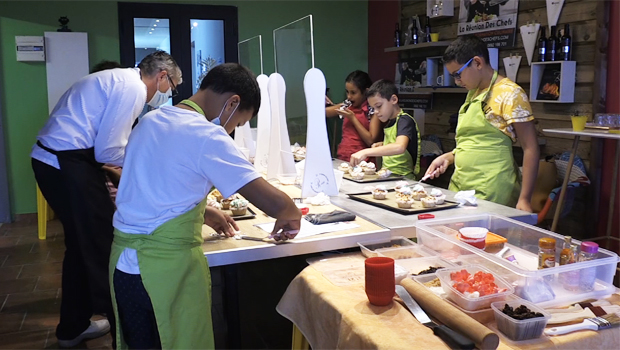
x=579, y=122
x=434, y=36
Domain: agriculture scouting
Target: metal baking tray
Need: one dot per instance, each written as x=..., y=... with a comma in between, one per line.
x=389, y=203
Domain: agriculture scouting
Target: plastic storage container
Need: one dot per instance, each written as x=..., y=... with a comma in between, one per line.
x=518, y=330
x=472, y=304
x=416, y=265
x=395, y=248
x=542, y=287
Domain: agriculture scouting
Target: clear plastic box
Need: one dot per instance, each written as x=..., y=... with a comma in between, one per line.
x=543, y=287
x=518, y=330
x=395, y=248
x=472, y=304
x=416, y=265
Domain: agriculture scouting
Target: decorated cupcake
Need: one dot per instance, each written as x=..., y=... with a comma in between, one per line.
x=369, y=169
x=384, y=173
x=400, y=184
x=428, y=202
x=438, y=195
x=216, y=195
x=239, y=206
x=380, y=192
x=405, y=201
x=213, y=203
x=357, y=173
x=419, y=192
x=226, y=202
x=404, y=192
x=344, y=167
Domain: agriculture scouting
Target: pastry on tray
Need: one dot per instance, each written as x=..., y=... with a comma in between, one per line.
x=380, y=192
x=438, y=195
x=226, y=202
x=344, y=167
x=404, y=192
x=239, y=206
x=216, y=195
x=384, y=173
x=405, y=201
x=428, y=202
x=400, y=184
x=419, y=192
x=214, y=203
x=369, y=169
x=357, y=173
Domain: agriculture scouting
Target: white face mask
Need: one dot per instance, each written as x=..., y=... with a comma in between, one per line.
x=218, y=121
x=160, y=97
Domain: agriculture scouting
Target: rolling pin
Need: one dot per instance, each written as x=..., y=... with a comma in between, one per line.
x=447, y=314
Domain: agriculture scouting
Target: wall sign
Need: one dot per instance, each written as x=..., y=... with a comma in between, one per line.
x=494, y=21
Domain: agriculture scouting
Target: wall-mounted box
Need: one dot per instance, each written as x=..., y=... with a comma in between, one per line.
x=439, y=8
x=436, y=73
x=30, y=48
x=553, y=82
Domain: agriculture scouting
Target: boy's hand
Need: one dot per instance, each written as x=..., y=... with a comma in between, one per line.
x=221, y=222
x=358, y=157
x=438, y=166
x=377, y=144
x=525, y=205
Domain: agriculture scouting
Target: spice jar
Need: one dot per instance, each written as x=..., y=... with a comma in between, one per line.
x=589, y=251
x=546, y=253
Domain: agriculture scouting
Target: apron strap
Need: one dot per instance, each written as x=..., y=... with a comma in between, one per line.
x=46, y=148
x=193, y=105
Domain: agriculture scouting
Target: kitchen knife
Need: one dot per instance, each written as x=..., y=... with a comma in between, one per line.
x=453, y=339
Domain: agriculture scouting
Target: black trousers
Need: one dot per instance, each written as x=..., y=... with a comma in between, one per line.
x=135, y=312
x=81, y=201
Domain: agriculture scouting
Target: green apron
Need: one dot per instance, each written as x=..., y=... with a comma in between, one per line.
x=401, y=164
x=483, y=157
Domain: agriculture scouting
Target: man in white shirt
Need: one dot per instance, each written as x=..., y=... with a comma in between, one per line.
x=161, y=282
x=90, y=126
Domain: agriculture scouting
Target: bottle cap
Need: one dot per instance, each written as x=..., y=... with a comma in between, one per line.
x=589, y=247
x=546, y=243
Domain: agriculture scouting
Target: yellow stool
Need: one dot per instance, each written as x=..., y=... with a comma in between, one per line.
x=44, y=214
x=299, y=341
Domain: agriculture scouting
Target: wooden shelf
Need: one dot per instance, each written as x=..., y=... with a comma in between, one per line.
x=440, y=89
x=418, y=46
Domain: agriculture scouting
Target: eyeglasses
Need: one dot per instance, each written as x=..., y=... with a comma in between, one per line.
x=175, y=92
x=457, y=74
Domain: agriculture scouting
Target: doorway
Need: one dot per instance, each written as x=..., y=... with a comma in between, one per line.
x=199, y=37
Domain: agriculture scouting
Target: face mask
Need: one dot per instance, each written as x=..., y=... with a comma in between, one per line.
x=218, y=121
x=160, y=97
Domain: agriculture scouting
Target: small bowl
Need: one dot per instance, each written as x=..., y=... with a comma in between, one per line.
x=520, y=329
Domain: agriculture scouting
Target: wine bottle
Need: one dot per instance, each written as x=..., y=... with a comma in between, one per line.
x=552, y=46
x=542, y=45
x=566, y=43
x=414, y=35
x=397, y=35
x=427, y=29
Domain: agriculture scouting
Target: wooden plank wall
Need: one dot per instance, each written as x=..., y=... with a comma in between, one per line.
x=582, y=17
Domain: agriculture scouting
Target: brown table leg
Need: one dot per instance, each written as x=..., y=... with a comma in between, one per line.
x=612, y=196
x=558, y=209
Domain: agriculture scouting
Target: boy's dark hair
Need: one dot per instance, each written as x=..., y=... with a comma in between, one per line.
x=464, y=48
x=360, y=79
x=384, y=88
x=159, y=61
x=235, y=78
x=104, y=65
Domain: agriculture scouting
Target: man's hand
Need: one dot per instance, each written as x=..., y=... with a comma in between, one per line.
x=286, y=229
x=221, y=222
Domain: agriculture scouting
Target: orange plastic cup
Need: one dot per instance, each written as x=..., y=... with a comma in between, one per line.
x=380, y=282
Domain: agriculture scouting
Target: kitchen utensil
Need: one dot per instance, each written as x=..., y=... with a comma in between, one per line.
x=578, y=313
x=594, y=324
x=453, y=339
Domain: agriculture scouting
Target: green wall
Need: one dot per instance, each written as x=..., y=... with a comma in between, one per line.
x=340, y=39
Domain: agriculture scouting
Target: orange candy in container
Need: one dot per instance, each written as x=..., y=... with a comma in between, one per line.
x=473, y=287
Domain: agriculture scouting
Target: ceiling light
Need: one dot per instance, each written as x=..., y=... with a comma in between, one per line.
x=154, y=25
x=156, y=20
x=150, y=32
x=195, y=24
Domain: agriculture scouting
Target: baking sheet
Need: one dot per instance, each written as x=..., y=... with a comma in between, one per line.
x=389, y=203
x=373, y=178
x=249, y=214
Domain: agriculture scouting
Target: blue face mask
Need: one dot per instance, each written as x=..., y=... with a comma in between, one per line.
x=218, y=121
x=160, y=97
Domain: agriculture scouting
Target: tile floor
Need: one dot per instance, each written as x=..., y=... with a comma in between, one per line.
x=30, y=275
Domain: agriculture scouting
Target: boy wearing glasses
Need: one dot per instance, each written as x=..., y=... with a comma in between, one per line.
x=496, y=112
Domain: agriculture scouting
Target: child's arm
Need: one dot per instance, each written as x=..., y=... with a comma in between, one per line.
x=333, y=111
x=440, y=165
x=368, y=136
x=526, y=132
x=398, y=147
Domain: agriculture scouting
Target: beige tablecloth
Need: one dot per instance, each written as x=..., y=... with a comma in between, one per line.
x=336, y=317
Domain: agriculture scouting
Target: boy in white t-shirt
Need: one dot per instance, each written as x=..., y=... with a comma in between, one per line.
x=161, y=282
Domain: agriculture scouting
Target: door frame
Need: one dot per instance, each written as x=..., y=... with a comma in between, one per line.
x=5, y=203
x=179, y=16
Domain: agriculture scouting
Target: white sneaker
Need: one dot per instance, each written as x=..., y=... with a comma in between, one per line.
x=95, y=330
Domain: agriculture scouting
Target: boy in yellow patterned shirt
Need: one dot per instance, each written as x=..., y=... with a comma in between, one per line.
x=496, y=112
